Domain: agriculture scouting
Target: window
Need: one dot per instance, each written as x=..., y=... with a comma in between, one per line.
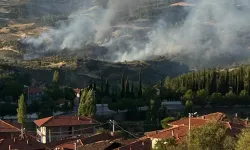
x=70, y=129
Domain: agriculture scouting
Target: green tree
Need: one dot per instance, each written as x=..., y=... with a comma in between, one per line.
x=107, y=88
x=201, y=97
x=21, y=111
x=91, y=104
x=170, y=144
x=244, y=140
x=164, y=122
x=154, y=107
x=216, y=98
x=127, y=90
x=244, y=98
x=122, y=86
x=87, y=105
x=132, y=90
x=56, y=77
x=189, y=96
x=140, y=86
x=48, y=106
x=81, y=108
x=230, y=99
x=211, y=136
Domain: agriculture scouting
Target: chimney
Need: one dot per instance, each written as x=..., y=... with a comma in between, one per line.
x=173, y=133
x=27, y=142
x=75, y=147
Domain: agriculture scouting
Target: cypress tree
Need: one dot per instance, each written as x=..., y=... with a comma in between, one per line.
x=107, y=88
x=140, y=87
x=91, y=104
x=122, y=86
x=21, y=111
x=81, y=109
x=204, y=80
x=101, y=85
x=132, y=90
x=94, y=86
x=90, y=85
x=248, y=81
x=56, y=77
x=226, y=84
x=127, y=93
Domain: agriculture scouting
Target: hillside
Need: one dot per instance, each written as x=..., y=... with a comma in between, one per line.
x=74, y=70
x=141, y=31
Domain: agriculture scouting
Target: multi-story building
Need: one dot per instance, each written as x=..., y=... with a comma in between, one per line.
x=55, y=128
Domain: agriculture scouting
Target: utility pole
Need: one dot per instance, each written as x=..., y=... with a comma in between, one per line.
x=49, y=136
x=189, y=124
x=113, y=124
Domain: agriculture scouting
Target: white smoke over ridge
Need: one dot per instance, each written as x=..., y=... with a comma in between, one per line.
x=210, y=29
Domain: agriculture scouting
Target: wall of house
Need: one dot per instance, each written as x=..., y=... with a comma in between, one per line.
x=57, y=133
x=43, y=134
x=154, y=141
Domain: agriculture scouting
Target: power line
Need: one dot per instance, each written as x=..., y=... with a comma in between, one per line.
x=126, y=131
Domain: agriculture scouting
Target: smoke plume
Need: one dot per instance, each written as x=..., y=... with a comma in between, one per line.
x=210, y=29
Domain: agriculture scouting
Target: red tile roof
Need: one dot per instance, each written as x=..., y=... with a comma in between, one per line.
x=55, y=121
x=194, y=122
x=27, y=143
x=218, y=116
x=34, y=90
x=69, y=145
x=7, y=127
x=53, y=145
x=179, y=132
x=83, y=140
x=98, y=137
x=145, y=144
x=101, y=145
x=180, y=127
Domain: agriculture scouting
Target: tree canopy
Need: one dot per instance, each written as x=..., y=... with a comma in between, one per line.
x=21, y=110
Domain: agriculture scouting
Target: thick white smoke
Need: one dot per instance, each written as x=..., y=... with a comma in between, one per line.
x=211, y=28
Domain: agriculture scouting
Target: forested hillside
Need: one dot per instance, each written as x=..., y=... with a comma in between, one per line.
x=213, y=86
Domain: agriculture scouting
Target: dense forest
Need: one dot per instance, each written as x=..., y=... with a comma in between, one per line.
x=220, y=87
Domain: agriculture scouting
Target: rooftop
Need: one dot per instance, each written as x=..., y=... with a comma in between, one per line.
x=144, y=144
x=83, y=140
x=55, y=121
x=180, y=128
x=16, y=143
x=34, y=90
x=178, y=132
x=8, y=126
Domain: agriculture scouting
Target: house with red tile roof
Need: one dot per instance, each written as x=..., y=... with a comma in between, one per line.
x=180, y=128
x=97, y=141
x=144, y=144
x=18, y=142
x=55, y=128
x=34, y=93
x=8, y=129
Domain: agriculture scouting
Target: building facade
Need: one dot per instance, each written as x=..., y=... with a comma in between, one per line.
x=59, y=127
